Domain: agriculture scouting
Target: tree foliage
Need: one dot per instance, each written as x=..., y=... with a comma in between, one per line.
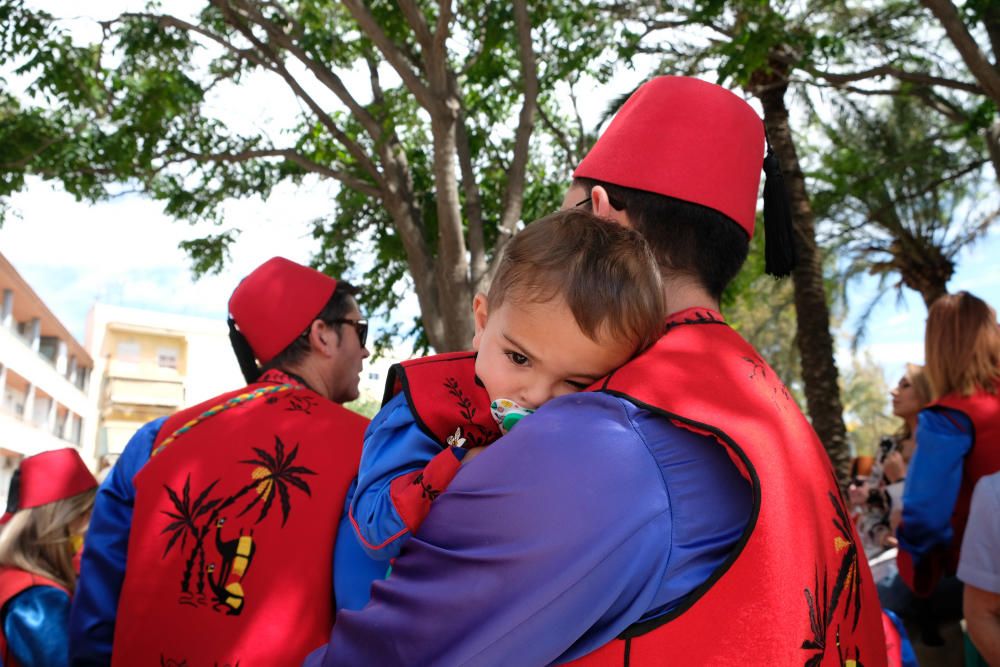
x=440, y=121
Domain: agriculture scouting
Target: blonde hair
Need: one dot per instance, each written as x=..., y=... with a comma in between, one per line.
x=916, y=375
x=962, y=346
x=37, y=539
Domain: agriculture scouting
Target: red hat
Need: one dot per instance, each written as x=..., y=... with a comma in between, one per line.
x=684, y=138
x=275, y=303
x=47, y=477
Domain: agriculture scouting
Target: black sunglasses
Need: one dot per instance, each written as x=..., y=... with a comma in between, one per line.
x=616, y=204
x=361, y=326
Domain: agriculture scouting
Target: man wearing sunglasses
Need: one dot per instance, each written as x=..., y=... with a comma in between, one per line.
x=212, y=539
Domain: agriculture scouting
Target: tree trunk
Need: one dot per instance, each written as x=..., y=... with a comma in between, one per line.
x=985, y=73
x=815, y=343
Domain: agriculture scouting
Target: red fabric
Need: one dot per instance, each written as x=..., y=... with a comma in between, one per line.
x=799, y=591
x=264, y=485
x=413, y=493
x=51, y=476
x=444, y=395
x=276, y=302
x=688, y=139
x=13, y=582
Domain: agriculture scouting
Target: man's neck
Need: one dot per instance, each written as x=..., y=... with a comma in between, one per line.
x=681, y=295
x=310, y=377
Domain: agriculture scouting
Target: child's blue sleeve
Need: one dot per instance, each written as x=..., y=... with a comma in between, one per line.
x=35, y=627
x=394, y=446
x=933, y=480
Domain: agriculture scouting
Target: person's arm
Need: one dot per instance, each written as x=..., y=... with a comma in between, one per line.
x=102, y=569
x=35, y=627
x=979, y=569
x=534, y=553
x=402, y=471
x=933, y=480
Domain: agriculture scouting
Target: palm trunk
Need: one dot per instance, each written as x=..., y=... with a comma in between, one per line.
x=815, y=343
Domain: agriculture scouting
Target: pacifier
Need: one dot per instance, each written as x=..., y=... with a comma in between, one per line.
x=507, y=413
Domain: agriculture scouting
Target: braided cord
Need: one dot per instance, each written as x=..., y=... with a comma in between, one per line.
x=233, y=402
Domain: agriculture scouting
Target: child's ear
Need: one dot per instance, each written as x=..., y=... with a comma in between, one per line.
x=480, y=311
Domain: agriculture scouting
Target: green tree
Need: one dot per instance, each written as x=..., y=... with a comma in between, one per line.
x=866, y=398
x=439, y=155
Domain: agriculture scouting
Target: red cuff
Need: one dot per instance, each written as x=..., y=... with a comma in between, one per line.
x=413, y=493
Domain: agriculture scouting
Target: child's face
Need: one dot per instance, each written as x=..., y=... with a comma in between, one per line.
x=530, y=353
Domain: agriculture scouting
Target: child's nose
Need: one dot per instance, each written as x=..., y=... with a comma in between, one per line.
x=533, y=397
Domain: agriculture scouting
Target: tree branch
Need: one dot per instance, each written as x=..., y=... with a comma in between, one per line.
x=897, y=73
x=514, y=194
x=984, y=72
x=291, y=155
x=415, y=18
x=393, y=54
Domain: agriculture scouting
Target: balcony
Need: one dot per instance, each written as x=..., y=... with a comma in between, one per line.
x=123, y=391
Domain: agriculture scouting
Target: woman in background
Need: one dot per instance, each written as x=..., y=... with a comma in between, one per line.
x=958, y=436
x=48, y=508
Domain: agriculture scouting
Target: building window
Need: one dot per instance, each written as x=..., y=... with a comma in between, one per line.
x=373, y=376
x=128, y=352
x=166, y=357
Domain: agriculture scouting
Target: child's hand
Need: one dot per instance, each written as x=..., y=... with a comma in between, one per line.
x=471, y=454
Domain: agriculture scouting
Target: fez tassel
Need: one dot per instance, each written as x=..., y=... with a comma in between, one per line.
x=244, y=353
x=779, y=245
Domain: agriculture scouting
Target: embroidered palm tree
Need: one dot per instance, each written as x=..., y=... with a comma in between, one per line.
x=185, y=518
x=273, y=475
x=848, y=579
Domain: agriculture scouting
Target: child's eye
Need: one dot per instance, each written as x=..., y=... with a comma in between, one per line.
x=578, y=385
x=517, y=358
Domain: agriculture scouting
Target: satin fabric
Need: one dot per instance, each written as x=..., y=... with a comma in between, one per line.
x=35, y=625
x=486, y=580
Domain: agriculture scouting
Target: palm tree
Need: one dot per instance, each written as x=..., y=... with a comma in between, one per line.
x=185, y=519
x=272, y=475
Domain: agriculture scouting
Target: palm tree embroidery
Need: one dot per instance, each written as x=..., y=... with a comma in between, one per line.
x=273, y=475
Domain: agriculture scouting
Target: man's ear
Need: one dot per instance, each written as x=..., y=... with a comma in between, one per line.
x=480, y=312
x=322, y=337
x=600, y=204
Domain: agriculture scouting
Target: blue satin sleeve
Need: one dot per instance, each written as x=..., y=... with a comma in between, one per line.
x=354, y=570
x=394, y=445
x=35, y=625
x=588, y=517
x=102, y=567
x=933, y=480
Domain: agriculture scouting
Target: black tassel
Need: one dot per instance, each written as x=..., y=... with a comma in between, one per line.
x=779, y=243
x=14, y=492
x=244, y=354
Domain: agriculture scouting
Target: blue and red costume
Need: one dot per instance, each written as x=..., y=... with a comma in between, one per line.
x=598, y=516
x=33, y=618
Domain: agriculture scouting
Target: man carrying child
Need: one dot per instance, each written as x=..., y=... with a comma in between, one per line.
x=683, y=511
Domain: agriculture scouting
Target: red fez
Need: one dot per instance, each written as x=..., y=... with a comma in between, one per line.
x=276, y=302
x=684, y=138
x=47, y=477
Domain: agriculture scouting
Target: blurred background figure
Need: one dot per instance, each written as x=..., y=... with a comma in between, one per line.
x=877, y=494
x=51, y=497
x=979, y=569
x=958, y=438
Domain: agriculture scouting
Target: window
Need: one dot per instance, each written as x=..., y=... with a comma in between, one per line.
x=128, y=351
x=373, y=376
x=166, y=357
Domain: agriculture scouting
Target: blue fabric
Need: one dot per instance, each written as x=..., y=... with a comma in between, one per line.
x=102, y=567
x=906, y=655
x=35, y=627
x=586, y=518
x=394, y=445
x=353, y=569
x=933, y=480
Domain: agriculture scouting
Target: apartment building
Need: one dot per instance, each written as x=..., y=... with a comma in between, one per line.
x=44, y=373
x=150, y=364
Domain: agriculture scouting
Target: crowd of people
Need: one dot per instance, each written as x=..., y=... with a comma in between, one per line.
x=610, y=475
x=918, y=495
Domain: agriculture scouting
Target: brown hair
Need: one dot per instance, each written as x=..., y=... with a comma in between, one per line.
x=962, y=346
x=604, y=271
x=37, y=539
